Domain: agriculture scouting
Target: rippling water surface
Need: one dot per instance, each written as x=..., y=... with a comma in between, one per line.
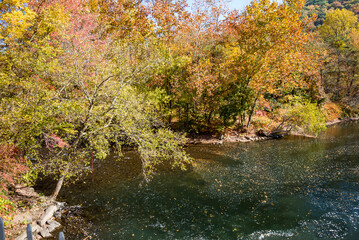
x=296, y=188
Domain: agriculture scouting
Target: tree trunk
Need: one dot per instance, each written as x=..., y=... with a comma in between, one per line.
x=351, y=83
x=59, y=184
x=209, y=117
x=338, y=75
x=252, y=111
x=187, y=117
x=170, y=114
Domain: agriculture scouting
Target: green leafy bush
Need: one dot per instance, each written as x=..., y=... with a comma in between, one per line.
x=302, y=115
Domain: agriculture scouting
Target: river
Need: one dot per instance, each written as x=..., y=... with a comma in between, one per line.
x=293, y=188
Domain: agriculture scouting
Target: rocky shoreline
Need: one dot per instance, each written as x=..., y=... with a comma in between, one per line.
x=40, y=212
x=231, y=138
x=42, y=227
x=234, y=136
x=46, y=219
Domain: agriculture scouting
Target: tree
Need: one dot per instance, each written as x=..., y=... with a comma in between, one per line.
x=339, y=30
x=268, y=51
x=320, y=8
x=337, y=27
x=124, y=19
x=191, y=76
x=79, y=96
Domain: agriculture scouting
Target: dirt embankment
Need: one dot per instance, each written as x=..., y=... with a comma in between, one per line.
x=33, y=209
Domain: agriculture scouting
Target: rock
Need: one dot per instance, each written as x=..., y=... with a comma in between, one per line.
x=49, y=213
x=261, y=133
x=276, y=135
x=44, y=233
x=23, y=236
x=61, y=205
x=57, y=215
x=52, y=225
x=34, y=227
x=26, y=191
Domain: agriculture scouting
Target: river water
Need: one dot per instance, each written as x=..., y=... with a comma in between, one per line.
x=294, y=188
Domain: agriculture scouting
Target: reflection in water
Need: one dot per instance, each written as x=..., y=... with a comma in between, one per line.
x=295, y=188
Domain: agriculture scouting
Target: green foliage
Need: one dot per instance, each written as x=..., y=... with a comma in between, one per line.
x=69, y=88
x=302, y=115
x=6, y=206
x=235, y=103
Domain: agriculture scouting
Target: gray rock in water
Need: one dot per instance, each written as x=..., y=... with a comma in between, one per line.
x=61, y=205
x=52, y=225
x=57, y=215
x=49, y=213
x=44, y=233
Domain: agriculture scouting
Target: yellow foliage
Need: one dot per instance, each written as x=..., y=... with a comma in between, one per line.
x=261, y=122
x=17, y=22
x=337, y=27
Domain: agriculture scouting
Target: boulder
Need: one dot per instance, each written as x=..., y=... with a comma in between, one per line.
x=44, y=233
x=52, y=225
x=26, y=191
x=49, y=213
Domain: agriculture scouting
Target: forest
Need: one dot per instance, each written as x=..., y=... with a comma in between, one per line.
x=82, y=79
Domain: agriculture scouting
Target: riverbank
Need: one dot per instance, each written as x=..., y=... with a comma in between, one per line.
x=342, y=120
x=254, y=135
x=230, y=137
x=34, y=209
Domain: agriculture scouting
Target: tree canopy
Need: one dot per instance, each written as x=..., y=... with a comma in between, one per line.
x=81, y=79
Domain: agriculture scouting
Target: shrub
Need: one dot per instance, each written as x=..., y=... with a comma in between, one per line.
x=298, y=113
x=12, y=166
x=332, y=111
x=261, y=122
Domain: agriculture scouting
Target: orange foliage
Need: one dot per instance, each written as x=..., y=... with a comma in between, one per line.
x=271, y=42
x=332, y=111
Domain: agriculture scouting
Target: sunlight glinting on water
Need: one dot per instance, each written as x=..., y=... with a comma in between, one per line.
x=294, y=188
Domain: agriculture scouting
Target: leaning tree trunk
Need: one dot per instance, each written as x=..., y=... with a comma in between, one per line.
x=59, y=184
